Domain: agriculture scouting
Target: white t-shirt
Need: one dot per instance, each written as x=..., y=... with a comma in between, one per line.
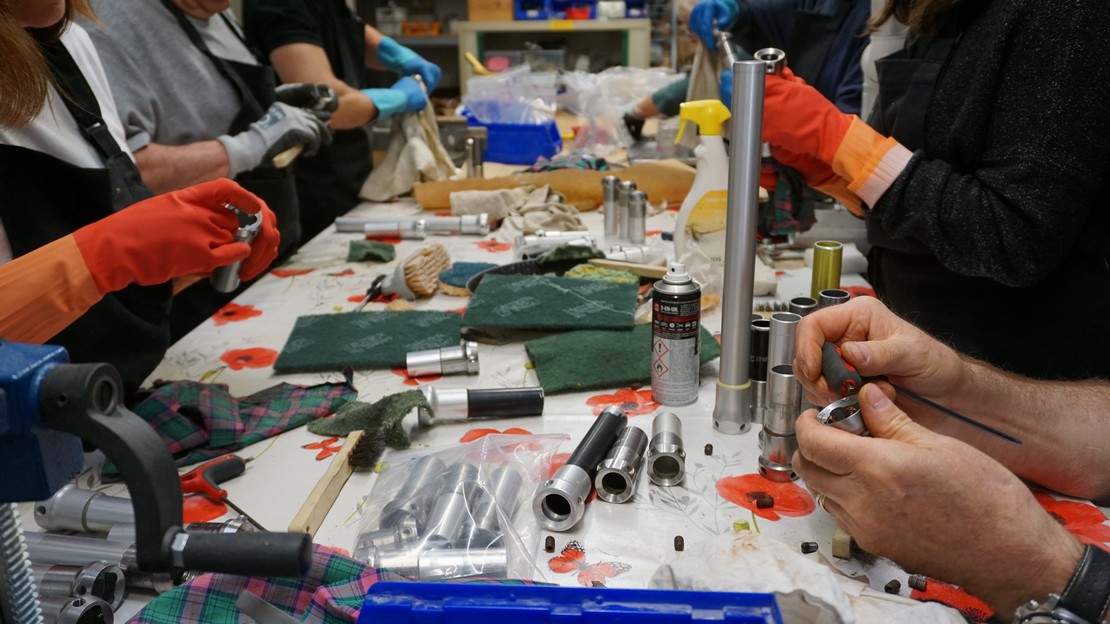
x=55, y=132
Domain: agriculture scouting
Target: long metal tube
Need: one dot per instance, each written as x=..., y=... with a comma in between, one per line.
x=733, y=411
x=74, y=509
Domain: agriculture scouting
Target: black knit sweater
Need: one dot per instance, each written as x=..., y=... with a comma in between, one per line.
x=1006, y=205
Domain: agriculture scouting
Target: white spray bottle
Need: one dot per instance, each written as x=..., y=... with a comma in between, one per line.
x=701, y=219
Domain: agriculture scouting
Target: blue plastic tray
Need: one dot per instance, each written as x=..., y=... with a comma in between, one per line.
x=519, y=144
x=427, y=603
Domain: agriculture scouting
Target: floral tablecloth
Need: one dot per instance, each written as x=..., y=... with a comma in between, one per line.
x=618, y=545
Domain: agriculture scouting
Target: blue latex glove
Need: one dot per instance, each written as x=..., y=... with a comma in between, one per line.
x=405, y=96
x=710, y=14
x=397, y=58
x=726, y=88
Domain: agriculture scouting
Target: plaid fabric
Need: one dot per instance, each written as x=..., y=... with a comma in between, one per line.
x=200, y=421
x=792, y=205
x=587, y=162
x=331, y=592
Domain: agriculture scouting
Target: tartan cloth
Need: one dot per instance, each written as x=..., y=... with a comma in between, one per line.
x=791, y=207
x=200, y=421
x=331, y=592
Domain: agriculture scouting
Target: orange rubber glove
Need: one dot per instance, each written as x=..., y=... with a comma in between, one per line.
x=180, y=233
x=799, y=120
x=820, y=176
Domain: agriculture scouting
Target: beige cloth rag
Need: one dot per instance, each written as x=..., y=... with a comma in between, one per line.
x=415, y=154
x=522, y=210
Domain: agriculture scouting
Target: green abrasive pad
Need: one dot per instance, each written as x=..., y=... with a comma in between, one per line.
x=584, y=360
x=365, y=251
x=539, y=302
x=374, y=340
x=383, y=416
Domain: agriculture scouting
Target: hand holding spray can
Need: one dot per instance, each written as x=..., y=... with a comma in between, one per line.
x=675, y=338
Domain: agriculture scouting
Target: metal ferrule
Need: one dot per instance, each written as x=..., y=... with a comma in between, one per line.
x=409, y=512
x=832, y=296
x=466, y=404
x=624, y=198
x=610, y=205
x=75, y=610
x=98, y=579
x=784, y=401
x=844, y=414
x=416, y=229
x=126, y=532
x=74, y=509
x=827, y=256
x=637, y=215
x=442, y=564
x=616, y=475
x=502, y=493
x=75, y=550
x=447, y=521
x=561, y=501
x=477, y=224
x=425, y=478
x=776, y=457
x=444, y=361
x=780, y=349
x=732, y=413
x=451, y=404
x=773, y=58
x=226, y=278
x=803, y=305
x=384, y=539
x=666, y=457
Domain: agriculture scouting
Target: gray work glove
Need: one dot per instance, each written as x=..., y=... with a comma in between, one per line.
x=282, y=127
x=313, y=96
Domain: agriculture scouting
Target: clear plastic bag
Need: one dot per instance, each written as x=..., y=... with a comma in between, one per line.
x=457, y=512
x=514, y=96
x=602, y=99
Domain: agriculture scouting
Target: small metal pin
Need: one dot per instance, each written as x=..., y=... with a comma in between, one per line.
x=549, y=544
x=708, y=449
x=893, y=587
x=764, y=501
x=809, y=547
x=918, y=582
x=679, y=543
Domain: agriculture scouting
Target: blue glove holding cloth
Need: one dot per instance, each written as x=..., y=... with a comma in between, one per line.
x=405, y=96
x=712, y=14
x=397, y=58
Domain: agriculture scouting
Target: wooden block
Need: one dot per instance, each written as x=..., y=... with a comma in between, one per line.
x=841, y=543
x=320, y=500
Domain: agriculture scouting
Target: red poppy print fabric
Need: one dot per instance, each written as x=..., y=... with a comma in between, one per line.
x=633, y=402
x=258, y=357
x=234, y=312
x=744, y=490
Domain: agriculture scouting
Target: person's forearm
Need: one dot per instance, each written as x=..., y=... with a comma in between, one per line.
x=1062, y=426
x=373, y=38
x=1046, y=564
x=355, y=109
x=171, y=167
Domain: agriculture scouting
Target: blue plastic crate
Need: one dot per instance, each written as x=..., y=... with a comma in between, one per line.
x=519, y=144
x=435, y=603
x=531, y=9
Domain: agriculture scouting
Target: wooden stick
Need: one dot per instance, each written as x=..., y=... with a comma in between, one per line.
x=643, y=270
x=319, y=502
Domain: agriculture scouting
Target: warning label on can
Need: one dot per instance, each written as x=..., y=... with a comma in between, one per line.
x=674, y=351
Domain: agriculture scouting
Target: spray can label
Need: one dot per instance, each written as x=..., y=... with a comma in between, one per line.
x=675, y=342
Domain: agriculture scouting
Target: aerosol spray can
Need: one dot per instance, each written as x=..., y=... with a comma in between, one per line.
x=675, y=338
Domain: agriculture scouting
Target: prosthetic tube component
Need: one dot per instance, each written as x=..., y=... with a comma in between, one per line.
x=74, y=509
x=75, y=610
x=126, y=532
x=780, y=350
x=414, y=501
x=732, y=412
x=487, y=528
x=803, y=305
x=52, y=549
x=477, y=224
x=616, y=475
x=624, y=198
x=827, y=256
x=444, y=361
x=784, y=397
x=666, y=455
x=831, y=297
x=772, y=58
x=610, y=208
x=413, y=229
x=226, y=278
x=637, y=214
x=761, y=343
x=844, y=414
x=560, y=502
x=442, y=563
x=98, y=579
x=463, y=404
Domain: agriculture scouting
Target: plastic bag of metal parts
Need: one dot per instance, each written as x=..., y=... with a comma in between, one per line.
x=462, y=511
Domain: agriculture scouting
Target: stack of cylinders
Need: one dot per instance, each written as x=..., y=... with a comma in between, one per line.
x=780, y=351
x=784, y=399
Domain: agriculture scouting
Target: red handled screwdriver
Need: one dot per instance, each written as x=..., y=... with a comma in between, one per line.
x=205, y=480
x=843, y=377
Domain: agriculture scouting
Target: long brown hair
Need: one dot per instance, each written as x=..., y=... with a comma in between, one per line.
x=923, y=16
x=24, y=75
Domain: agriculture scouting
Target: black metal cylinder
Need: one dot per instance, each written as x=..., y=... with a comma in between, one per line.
x=505, y=402
x=598, y=440
x=761, y=341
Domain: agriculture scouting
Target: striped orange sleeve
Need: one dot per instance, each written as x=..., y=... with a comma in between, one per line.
x=44, y=291
x=838, y=188
x=870, y=161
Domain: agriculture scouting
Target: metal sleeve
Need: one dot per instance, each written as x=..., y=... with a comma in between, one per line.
x=666, y=457
x=780, y=350
x=616, y=475
x=826, y=266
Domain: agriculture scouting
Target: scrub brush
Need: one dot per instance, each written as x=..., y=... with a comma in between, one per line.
x=415, y=276
x=361, y=451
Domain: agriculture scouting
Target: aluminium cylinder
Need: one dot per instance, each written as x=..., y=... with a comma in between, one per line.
x=493, y=510
x=803, y=305
x=75, y=610
x=416, y=229
x=617, y=474
x=75, y=550
x=610, y=207
x=832, y=296
x=844, y=414
x=826, y=267
x=561, y=501
x=74, y=509
x=98, y=579
x=666, y=455
x=780, y=348
x=784, y=400
x=126, y=532
x=442, y=563
x=637, y=216
x=462, y=358
x=624, y=197
x=777, y=455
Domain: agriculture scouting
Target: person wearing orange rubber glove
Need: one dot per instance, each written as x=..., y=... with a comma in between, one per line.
x=186, y=232
x=982, y=176
x=75, y=217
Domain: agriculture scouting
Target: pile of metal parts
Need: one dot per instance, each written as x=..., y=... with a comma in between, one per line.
x=609, y=459
x=444, y=523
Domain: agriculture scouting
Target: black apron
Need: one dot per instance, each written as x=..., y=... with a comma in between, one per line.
x=328, y=182
x=254, y=85
x=1030, y=331
x=811, y=38
x=45, y=198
